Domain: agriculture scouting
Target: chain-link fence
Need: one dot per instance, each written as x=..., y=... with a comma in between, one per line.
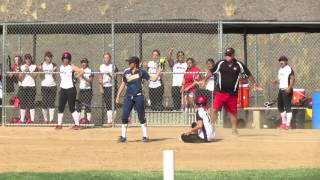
x=79, y=39
x=199, y=40
x=91, y=41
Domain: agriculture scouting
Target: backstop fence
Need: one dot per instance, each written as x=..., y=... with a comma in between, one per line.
x=164, y=103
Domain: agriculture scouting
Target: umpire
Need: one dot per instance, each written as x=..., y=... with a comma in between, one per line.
x=132, y=79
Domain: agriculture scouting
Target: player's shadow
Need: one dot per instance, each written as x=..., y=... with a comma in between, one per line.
x=257, y=135
x=212, y=141
x=215, y=140
x=153, y=139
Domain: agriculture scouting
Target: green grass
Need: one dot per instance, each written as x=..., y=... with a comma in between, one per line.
x=305, y=174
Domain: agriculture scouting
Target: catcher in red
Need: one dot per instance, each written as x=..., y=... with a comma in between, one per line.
x=201, y=131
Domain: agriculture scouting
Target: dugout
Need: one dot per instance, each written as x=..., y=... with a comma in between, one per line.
x=243, y=35
x=270, y=117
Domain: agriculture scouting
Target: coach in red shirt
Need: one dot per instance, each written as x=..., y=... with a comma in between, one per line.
x=229, y=71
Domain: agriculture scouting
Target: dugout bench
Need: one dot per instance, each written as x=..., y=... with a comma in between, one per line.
x=258, y=114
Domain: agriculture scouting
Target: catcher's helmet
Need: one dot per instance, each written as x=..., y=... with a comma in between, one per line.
x=201, y=101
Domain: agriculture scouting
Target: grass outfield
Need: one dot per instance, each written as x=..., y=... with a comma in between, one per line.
x=305, y=174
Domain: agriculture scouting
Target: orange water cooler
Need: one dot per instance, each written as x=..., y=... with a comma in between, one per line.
x=243, y=96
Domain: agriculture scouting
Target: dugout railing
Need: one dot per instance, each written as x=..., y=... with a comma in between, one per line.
x=165, y=113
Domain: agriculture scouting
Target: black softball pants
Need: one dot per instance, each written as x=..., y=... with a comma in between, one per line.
x=284, y=101
x=67, y=95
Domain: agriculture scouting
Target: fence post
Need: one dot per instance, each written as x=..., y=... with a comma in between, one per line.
x=140, y=46
x=3, y=73
x=34, y=46
x=113, y=72
x=220, y=39
x=245, y=46
x=19, y=42
x=257, y=69
x=220, y=32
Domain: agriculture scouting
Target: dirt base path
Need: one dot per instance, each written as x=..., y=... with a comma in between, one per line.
x=46, y=149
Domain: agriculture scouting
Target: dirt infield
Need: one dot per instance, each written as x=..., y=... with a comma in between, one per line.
x=45, y=149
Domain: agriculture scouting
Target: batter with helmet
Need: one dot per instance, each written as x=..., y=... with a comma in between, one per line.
x=201, y=131
x=68, y=92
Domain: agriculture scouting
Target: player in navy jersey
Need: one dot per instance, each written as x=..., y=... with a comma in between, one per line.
x=132, y=79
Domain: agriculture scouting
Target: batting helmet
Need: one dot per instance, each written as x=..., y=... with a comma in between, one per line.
x=15, y=101
x=201, y=101
x=66, y=55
